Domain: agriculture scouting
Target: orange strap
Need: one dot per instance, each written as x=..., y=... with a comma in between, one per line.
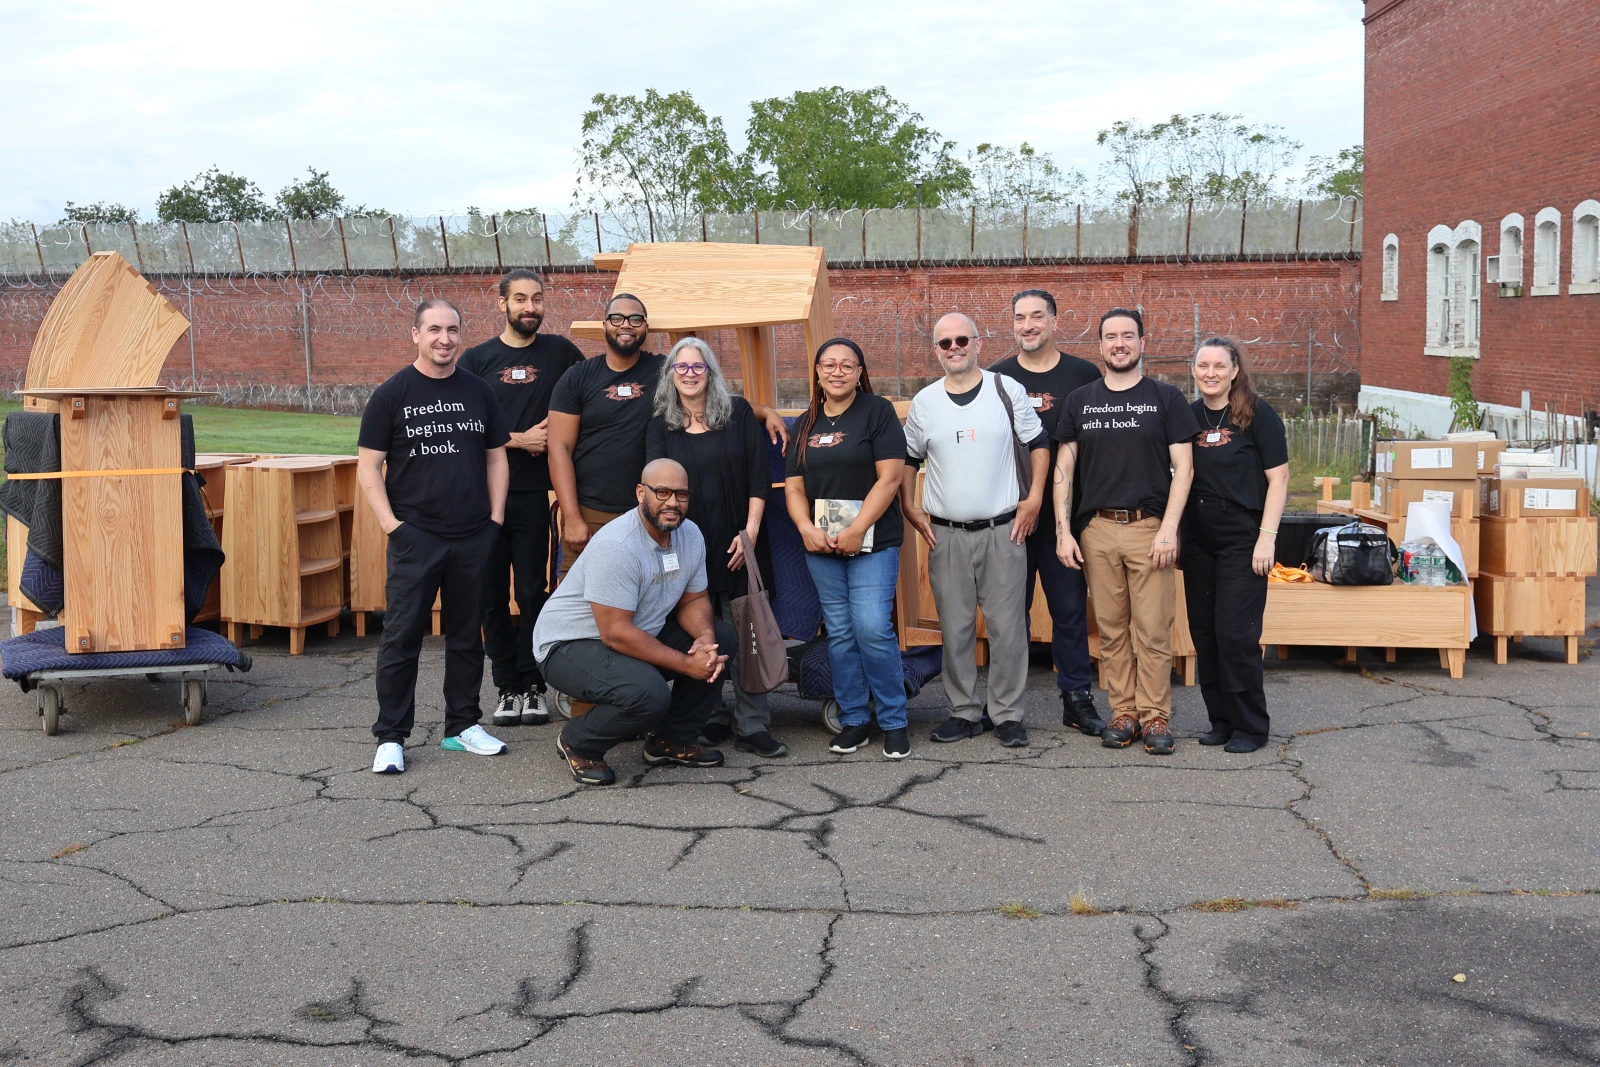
x=45, y=475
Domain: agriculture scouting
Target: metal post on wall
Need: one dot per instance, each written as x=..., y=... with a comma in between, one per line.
x=194, y=378
x=305, y=340
x=1194, y=386
x=1311, y=346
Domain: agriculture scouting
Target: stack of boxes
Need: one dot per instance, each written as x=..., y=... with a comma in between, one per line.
x=1444, y=472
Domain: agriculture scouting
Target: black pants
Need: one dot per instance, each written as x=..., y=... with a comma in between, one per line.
x=630, y=696
x=420, y=565
x=1066, y=593
x=1226, y=600
x=523, y=545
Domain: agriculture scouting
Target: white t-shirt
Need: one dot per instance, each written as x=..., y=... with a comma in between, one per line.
x=972, y=473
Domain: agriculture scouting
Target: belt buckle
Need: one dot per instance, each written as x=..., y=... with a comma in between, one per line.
x=1121, y=516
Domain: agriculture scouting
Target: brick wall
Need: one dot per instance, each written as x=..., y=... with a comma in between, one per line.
x=250, y=329
x=1476, y=110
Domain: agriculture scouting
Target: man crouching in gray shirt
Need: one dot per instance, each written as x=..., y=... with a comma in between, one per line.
x=618, y=630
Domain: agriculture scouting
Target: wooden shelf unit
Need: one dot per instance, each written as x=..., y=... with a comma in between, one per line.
x=284, y=549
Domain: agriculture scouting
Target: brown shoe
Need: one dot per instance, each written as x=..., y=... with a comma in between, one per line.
x=1123, y=731
x=585, y=771
x=659, y=750
x=1158, y=738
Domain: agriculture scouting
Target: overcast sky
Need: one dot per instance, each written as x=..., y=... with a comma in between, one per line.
x=427, y=107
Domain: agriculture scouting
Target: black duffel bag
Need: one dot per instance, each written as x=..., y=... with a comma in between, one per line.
x=1356, y=554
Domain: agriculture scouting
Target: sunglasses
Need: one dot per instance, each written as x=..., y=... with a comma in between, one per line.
x=664, y=495
x=947, y=343
x=692, y=370
x=631, y=320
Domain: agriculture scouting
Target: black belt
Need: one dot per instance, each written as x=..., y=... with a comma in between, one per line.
x=975, y=524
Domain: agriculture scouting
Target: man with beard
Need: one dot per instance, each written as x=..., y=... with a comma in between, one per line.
x=1122, y=477
x=598, y=418
x=522, y=366
x=630, y=630
x=1050, y=376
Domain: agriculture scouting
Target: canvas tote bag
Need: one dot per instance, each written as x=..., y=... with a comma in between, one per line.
x=763, y=658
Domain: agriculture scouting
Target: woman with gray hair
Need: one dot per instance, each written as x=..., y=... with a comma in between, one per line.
x=720, y=442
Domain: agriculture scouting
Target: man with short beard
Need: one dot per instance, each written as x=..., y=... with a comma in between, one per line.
x=522, y=366
x=630, y=630
x=1122, y=478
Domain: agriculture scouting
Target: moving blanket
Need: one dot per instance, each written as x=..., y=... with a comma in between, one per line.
x=33, y=445
x=45, y=650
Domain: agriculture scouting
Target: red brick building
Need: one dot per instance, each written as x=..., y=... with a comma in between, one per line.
x=1482, y=211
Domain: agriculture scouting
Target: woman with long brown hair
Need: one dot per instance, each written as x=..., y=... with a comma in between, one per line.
x=846, y=457
x=1230, y=528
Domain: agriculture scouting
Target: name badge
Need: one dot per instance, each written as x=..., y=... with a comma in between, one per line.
x=518, y=374
x=1213, y=437
x=669, y=562
x=626, y=391
x=1037, y=401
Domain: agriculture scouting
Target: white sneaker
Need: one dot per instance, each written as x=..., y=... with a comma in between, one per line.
x=536, y=707
x=474, y=739
x=510, y=709
x=391, y=759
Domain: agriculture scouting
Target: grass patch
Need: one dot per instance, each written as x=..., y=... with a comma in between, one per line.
x=1396, y=893
x=1079, y=904
x=1015, y=910
x=1241, y=904
x=69, y=850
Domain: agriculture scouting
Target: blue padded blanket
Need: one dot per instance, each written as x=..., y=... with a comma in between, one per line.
x=46, y=650
x=816, y=673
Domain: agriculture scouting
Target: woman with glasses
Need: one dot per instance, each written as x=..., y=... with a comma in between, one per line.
x=719, y=441
x=845, y=460
x=1230, y=529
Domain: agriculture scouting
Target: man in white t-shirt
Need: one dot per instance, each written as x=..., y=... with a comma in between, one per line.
x=976, y=518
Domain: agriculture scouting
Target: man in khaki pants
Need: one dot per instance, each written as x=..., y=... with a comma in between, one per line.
x=1122, y=477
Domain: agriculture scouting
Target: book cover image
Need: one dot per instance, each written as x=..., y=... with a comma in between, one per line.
x=833, y=516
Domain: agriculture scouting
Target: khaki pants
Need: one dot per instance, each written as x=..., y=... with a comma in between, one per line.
x=1133, y=605
x=595, y=519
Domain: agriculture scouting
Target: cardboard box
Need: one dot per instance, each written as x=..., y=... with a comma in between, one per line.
x=1488, y=455
x=1431, y=460
x=1394, y=496
x=1529, y=547
x=1514, y=498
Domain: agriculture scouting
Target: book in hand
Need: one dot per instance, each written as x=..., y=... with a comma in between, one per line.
x=833, y=516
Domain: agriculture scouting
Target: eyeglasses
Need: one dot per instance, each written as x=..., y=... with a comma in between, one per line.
x=631, y=320
x=664, y=495
x=838, y=368
x=693, y=370
x=947, y=343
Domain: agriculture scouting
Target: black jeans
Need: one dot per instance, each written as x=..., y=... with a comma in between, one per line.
x=420, y=565
x=1226, y=600
x=1066, y=593
x=523, y=545
x=632, y=697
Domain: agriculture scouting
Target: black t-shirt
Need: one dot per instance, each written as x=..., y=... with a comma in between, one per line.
x=1050, y=389
x=841, y=454
x=434, y=432
x=1231, y=463
x=522, y=380
x=614, y=408
x=1122, y=438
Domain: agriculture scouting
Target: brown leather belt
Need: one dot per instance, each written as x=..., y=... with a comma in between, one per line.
x=1122, y=516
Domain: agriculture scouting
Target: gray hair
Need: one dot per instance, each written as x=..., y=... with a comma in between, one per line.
x=719, y=402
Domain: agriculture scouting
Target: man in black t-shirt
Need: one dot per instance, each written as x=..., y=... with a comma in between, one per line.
x=441, y=500
x=1122, y=477
x=1049, y=376
x=522, y=366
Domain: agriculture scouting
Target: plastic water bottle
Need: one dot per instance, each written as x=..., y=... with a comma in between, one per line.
x=1436, y=565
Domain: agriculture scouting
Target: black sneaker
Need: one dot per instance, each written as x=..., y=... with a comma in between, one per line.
x=1078, y=711
x=536, y=707
x=715, y=733
x=1011, y=734
x=897, y=743
x=658, y=750
x=1158, y=738
x=508, y=709
x=1217, y=735
x=1242, y=744
x=956, y=728
x=762, y=744
x=585, y=771
x=1123, y=731
x=851, y=738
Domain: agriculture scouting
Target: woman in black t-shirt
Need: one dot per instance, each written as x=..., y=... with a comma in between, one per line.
x=846, y=458
x=717, y=438
x=1230, y=527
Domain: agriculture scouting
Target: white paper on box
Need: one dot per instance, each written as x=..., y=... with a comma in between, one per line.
x=1480, y=459
x=1442, y=496
x=1432, y=458
x=1549, y=499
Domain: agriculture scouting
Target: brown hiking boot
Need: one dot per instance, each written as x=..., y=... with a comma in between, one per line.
x=1158, y=738
x=1123, y=731
x=659, y=750
x=585, y=771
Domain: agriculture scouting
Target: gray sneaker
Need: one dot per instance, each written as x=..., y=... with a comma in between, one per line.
x=536, y=707
x=508, y=710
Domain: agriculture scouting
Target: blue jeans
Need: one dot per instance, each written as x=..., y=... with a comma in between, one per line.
x=857, y=594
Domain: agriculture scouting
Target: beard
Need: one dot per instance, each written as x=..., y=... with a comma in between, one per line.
x=625, y=350
x=664, y=523
x=525, y=325
x=1122, y=361
x=1037, y=344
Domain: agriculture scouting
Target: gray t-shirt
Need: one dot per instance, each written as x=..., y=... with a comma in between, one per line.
x=623, y=567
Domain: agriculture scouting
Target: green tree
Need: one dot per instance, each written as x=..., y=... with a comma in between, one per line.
x=97, y=212
x=1337, y=175
x=1005, y=179
x=1201, y=157
x=655, y=162
x=213, y=196
x=312, y=197
x=1464, y=411
x=836, y=147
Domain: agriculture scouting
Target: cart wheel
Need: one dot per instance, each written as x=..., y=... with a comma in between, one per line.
x=194, y=699
x=50, y=708
x=560, y=704
x=830, y=715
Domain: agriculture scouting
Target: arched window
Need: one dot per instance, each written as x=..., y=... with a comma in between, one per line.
x=1468, y=277
x=1546, y=253
x=1455, y=290
x=1586, y=248
x=1391, y=268
x=1509, y=274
